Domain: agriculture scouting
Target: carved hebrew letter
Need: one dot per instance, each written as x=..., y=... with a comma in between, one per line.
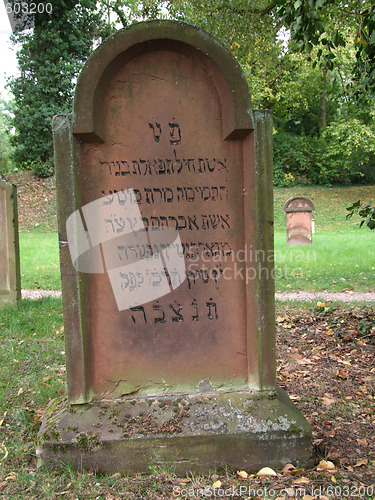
x=176, y=309
x=175, y=134
x=211, y=305
x=157, y=307
x=139, y=308
x=156, y=130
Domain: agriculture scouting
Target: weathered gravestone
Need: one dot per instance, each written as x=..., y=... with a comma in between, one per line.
x=299, y=220
x=164, y=186
x=10, y=276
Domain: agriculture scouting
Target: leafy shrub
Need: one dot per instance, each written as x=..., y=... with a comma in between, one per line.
x=350, y=152
x=42, y=168
x=345, y=154
x=291, y=159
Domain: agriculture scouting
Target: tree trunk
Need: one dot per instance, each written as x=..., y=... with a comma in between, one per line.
x=323, y=102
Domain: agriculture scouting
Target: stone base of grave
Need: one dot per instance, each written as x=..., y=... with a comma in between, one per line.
x=189, y=432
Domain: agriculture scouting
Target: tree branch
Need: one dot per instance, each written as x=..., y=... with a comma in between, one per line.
x=117, y=10
x=262, y=12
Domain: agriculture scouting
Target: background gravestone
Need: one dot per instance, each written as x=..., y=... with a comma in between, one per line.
x=10, y=276
x=164, y=182
x=299, y=220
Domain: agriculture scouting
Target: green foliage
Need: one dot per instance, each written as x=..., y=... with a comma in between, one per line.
x=290, y=160
x=320, y=24
x=345, y=154
x=349, y=153
x=365, y=212
x=5, y=145
x=49, y=58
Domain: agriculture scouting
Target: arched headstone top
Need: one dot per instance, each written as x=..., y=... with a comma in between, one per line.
x=298, y=204
x=142, y=38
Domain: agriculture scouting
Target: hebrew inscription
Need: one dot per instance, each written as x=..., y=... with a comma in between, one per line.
x=136, y=261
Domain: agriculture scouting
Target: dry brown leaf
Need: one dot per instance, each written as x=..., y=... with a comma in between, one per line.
x=308, y=497
x=360, y=462
x=344, y=374
x=3, y=449
x=20, y=391
x=242, y=474
x=330, y=434
x=328, y=400
x=326, y=465
x=362, y=442
x=266, y=471
x=301, y=480
x=289, y=469
x=280, y=319
x=293, y=397
x=2, y=420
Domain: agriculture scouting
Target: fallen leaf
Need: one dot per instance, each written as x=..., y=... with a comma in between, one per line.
x=342, y=374
x=333, y=479
x=294, y=397
x=242, y=474
x=362, y=442
x=20, y=391
x=217, y=484
x=326, y=465
x=266, y=471
x=301, y=480
x=360, y=462
x=3, y=448
x=328, y=400
x=2, y=420
x=308, y=497
x=280, y=319
x=289, y=469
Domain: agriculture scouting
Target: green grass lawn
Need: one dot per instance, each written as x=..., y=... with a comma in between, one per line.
x=341, y=257
x=336, y=261
x=40, y=267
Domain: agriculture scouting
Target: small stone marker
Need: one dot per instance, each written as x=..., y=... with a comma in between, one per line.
x=299, y=220
x=10, y=276
x=164, y=183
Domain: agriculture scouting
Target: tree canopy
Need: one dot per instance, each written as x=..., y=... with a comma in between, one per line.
x=311, y=61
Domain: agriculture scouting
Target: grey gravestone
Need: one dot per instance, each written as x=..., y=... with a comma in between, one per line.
x=10, y=277
x=164, y=183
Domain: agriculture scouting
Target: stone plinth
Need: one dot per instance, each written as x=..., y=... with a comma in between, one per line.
x=188, y=432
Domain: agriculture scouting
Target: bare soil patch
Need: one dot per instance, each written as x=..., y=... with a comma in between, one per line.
x=36, y=202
